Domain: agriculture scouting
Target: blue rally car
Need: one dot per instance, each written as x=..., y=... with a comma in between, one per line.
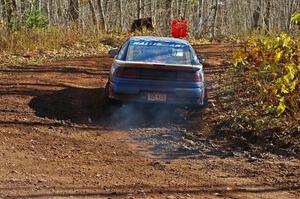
x=157, y=70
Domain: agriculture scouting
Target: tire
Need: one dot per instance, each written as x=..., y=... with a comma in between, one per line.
x=106, y=92
x=193, y=108
x=108, y=101
x=205, y=100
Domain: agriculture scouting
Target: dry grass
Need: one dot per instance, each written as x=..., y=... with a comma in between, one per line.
x=46, y=39
x=35, y=46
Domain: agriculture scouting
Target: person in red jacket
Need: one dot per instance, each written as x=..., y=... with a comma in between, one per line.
x=179, y=28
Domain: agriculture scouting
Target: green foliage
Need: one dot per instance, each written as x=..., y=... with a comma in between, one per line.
x=16, y=23
x=33, y=18
x=193, y=2
x=296, y=18
x=274, y=65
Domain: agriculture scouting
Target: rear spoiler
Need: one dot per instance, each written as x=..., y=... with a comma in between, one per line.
x=157, y=65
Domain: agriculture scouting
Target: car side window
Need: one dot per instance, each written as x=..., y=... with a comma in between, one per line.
x=123, y=51
x=194, y=57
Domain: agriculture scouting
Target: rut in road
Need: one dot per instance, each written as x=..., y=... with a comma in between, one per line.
x=162, y=128
x=59, y=139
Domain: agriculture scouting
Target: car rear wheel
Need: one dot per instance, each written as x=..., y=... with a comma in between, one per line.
x=108, y=100
x=205, y=100
x=201, y=107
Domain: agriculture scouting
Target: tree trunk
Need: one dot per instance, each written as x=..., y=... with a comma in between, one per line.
x=167, y=17
x=14, y=5
x=142, y=8
x=184, y=6
x=23, y=6
x=179, y=4
x=201, y=17
x=101, y=16
x=3, y=10
x=256, y=16
x=44, y=8
x=268, y=15
x=8, y=8
x=73, y=10
x=214, y=22
x=121, y=15
x=92, y=9
x=139, y=9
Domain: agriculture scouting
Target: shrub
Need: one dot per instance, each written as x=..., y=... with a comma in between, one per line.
x=35, y=19
x=32, y=18
x=296, y=18
x=274, y=65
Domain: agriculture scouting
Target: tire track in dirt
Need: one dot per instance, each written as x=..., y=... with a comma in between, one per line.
x=59, y=139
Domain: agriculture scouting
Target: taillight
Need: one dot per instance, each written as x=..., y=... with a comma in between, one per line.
x=154, y=74
x=198, y=77
x=189, y=76
x=127, y=73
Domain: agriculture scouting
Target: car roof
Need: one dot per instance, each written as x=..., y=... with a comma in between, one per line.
x=162, y=39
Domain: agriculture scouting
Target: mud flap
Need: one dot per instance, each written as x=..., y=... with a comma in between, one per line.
x=204, y=98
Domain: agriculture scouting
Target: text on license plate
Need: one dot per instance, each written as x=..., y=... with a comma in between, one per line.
x=157, y=97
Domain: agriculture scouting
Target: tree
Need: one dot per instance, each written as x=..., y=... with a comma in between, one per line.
x=73, y=10
x=256, y=15
x=121, y=15
x=206, y=17
x=102, y=24
x=167, y=5
x=214, y=21
x=139, y=9
x=7, y=4
x=92, y=12
x=268, y=16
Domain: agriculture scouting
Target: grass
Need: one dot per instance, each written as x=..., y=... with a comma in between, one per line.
x=33, y=46
x=46, y=39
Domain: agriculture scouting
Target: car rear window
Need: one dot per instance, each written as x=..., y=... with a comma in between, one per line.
x=160, y=52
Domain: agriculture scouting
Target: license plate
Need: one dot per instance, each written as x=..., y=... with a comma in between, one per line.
x=157, y=97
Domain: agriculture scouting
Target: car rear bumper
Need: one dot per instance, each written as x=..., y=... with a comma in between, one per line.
x=181, y=93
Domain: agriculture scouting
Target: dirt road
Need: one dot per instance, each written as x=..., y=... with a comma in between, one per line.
x=59, y=140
